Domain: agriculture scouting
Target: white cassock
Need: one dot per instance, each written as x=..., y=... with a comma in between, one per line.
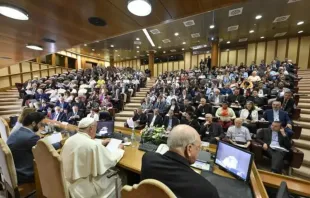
x=85, y=165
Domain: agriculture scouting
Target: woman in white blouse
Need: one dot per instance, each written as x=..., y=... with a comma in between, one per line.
x=249, y=115
x=93, y=114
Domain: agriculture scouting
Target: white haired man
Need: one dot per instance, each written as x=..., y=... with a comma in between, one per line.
x=86, y=163
x=173, y=167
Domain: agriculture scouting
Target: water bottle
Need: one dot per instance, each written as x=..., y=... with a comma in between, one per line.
x=133, y=137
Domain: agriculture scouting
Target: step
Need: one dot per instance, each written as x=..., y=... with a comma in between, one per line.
x=11, y=103
x=9, y=107
x=304, y=92
x=12, y=91
x=119, y=124
x=305, y=134
x=13, y=111
x=9, y=93
x=305, y=125
x=304, y=105
x=9, y=96
x=129, y=108
x=303, y=100
x=125, y=114
x=303, y=171
x=121, y=119
x=9, y=99
x=306, y=161
x=135, y=100
x=305, y=117
x=138, y=97
x=133, y=105
x=302, y=144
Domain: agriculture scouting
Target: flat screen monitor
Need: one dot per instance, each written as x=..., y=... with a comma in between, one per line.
x=283, y=191
x=105, y=128
x=234, y=160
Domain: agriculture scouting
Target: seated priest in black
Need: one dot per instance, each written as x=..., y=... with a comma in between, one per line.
x=139, y=118
x=75, y=115
x=258, y=101
x=186, y=107
x=170, y=121
x=211, y=131
x=287, y=102
x=190, y=119
x=203, y=108
x=155, y=120
x=236, y=98
x=173, y=168
x=272, y=138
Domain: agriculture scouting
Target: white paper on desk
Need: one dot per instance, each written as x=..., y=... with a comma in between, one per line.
x=201, y=165
x=29, y=92
x=130, y=123
x=241, y=145
x=278, y=148
x=54, y=138
x=205, y=144
x=64, y=123
x=113, y=145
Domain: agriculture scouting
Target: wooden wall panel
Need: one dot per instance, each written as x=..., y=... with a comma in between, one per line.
x=187, y=59
x=160, y=68
x=134, y=64
x=44, y=73
x=15, y=69
x=224, y=57
x=165, y=67
x=201, y=57
x=181, y=65
x=35, y=67
x=4, y=82
x=232, y=57
x=146, y=67
x=26, y=77
x=170, y=66
x=271, y=49
x=26, y=66
x=58, y=71
x=4, y=71
x=52, y=71
x=260, y=53
x=36, y=73
x=292, y=49
x=241, y=56
x=16, y=79
x=138, y=64
x=250, y=53
x=155, y=70
x=194, y=61
x=281, y=49
x=42, y=66
x=304, y=52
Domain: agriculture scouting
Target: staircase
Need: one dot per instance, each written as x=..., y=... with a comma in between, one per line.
x=304, y=142
x=10, y=104
x=135, y=102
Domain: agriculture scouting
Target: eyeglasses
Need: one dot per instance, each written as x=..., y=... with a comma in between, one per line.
x=199, y=147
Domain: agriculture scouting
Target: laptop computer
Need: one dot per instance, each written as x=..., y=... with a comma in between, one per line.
x=105, y=129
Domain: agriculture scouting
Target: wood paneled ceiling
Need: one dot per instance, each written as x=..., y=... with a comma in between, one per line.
x=66, y=21
x=264, y=27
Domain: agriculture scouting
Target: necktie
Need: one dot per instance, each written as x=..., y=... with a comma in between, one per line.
x=284, y=104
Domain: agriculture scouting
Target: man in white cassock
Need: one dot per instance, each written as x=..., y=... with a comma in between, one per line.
x=86, y=163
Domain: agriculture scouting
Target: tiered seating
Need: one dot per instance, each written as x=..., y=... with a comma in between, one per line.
x=10, y=104
x=135, y=102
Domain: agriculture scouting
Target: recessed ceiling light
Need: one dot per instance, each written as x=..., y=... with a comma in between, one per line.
x=115, y=50
x=147, y=54
x=13, y=12
x=300, y=32
x=139, y=7
x=138, y=47
x=258, y=16
x=164, y=52
x=112, y=45
x=118, y=55
x=251, y=31
x=184, y=43
x=262, y=37
x=183, y=49
x=34, y=47
x=85, y=45
x=300, y=22
x=135, y=56
x=159, y=47
x=138, y=39
x=212, y=38
x=211, y=26
x=97, y=41
x=228, y=42
x=138, y=51
x=176, y=34
x=98, y=54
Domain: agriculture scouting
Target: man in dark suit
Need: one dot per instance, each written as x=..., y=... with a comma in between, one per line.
x=170, y=121
x=287, y=102
x=57, y=115
x=203, y=108
x=173, y=168
x=186, y=107
x=62, y=104
x=211, y=131
x=77, y=102
x=236, y=98
x=155, y=119
x=270, y=138
x=258, y=101
x=209, y=63
x=184, y=96
x=74, y=116
x=276, y=114
x=21, y=142
x=160, y=105
x=139, y=118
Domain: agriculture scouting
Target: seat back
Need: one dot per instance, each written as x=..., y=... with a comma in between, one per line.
x=7, y=166
x=4, y=129
x=149, y=188
x=50, y=170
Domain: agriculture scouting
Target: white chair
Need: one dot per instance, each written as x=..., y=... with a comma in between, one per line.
x=4, y=129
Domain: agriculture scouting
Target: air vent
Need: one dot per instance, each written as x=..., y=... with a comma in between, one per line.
x=281, y=19
x=137, y=42
x=232, y=28
x=189, y=23
x=173, y=50
x=155, y=31
x=279, y=34
x=166, y=41
x=243, y=39
x=195, y=35
x=235, y=12
x=96, y=21
x=293, y=1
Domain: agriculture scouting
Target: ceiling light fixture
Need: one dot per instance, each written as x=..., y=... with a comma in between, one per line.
x=138, y=39
x=300, y=32
x=228, y=42
x=85, y=45
x=258, y=17
x=139, y=7
x=138, y=47
x=112, y=45
x=115, y=50
x=212, y=38
x=159, y=47
x=148, y=37
x=211, y=26
x=251, y=31
x=118, y=55
x=138, y=51
x=13, y=12
x=34, y=47
x=184, y=43
x=164, y=52
x=300, y=22
x=93, y=49
x=182, y=49
x=176, y=34
x=262, y=37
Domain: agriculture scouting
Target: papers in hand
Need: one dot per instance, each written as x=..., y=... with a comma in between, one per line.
x=162, y=149
x=54, y=138
x=201, y=118
x=205, y=144
x=278, y=148
x=131, y=123
x=113, y=145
